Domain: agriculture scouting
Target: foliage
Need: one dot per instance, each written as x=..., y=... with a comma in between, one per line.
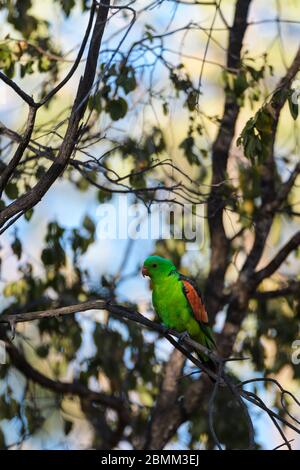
x=146, y=133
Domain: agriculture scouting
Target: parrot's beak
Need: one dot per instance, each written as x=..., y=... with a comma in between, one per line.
x=145, y=271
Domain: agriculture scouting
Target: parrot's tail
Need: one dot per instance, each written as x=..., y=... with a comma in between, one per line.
x=206, y=339
x=210, y=364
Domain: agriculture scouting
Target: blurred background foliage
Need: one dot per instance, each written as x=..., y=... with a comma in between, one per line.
x=146, y=127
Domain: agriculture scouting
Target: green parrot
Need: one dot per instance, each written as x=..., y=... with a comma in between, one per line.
x=178, y=303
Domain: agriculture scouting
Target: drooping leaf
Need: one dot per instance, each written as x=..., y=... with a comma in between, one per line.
x=117, y=108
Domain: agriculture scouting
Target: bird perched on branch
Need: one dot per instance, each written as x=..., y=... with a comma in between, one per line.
x=178, y=303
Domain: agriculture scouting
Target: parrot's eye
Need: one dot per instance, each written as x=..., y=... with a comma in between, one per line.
x=154, y=265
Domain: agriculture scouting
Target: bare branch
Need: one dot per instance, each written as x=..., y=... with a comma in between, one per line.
x=181, y=408
x=120, y=311
x=284, y=191
x=219, y=243
x=75, y=388
x=292, y=288
x=32, y=197
x=77, y=60
x=248, y=280
x=18, y=90
x=7, y=173
x=281, y=256
x=271, y=201
x=168, y=394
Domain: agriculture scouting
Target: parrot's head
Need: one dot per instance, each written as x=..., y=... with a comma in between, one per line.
x=157, y=267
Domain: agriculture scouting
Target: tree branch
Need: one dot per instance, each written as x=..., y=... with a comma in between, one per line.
x=284, y=191
x=32, y=197
x=220, y=244
x=271, y=201
x=75, y=388
x=123, y=312
x=292, y=288
x=166, y=401
x=181, y=407
x=281, y=256
x=8, y=171
x=28, y=99
x=77, y=60
x=248, y=280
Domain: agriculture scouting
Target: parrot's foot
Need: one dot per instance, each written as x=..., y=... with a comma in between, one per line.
x=167, y=331
x=183, y=336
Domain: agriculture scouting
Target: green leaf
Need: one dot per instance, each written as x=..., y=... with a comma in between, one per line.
x=10, y=71
x=294, y=108
x=88, y=224
x=126, y=79
x=165, y=109
x=82, y=184
x=11, y=190
x=17, y=247
x=103, y=196
x=40, y=172
x=117, y=108
x=240, y=83
x=48, y=257
x=28, y=214
x=42, y=350
x=67, y=6
x=44, y=64
x=264, y=121
x=188, y=147
x=26, y=68
x=192, y=100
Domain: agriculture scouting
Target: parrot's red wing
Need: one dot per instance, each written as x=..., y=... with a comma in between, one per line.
x=195, y=301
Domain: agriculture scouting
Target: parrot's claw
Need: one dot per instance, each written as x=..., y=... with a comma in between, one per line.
x=183, y=336
x=167, y=331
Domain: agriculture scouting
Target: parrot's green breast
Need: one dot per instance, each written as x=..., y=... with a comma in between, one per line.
x=172, y=306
